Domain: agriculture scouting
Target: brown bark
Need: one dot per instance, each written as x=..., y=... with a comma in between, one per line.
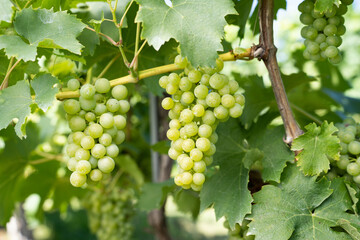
x=266, y=15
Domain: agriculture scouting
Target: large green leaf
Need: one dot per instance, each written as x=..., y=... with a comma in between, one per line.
x=15, y=102
x=44, y=28
x=243, y=7
x=6, y=10
x=316, y=145
x=227, y=189
x=154, y=194
x=13, y=160
x=45, y=90
x=197, y=24
x=300, y=208
x=15, y=47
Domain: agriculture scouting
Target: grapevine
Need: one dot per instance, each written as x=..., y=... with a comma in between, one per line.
x=97, y=121
x=201, y=98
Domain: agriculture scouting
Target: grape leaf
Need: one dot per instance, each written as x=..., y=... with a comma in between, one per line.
x=45, y=90
x=301, y=208
x=13, y=160
x=316, y=145
x=188, y=202
x=154, y=194
x=325, y=5
x=188, y=22
x=15, y=102
x=243, y=7
x=6, y=10
x=49, y=29
x=350, y=104
x=274, y=161
x=227, y=189
x=129, y=166
x=15, y=47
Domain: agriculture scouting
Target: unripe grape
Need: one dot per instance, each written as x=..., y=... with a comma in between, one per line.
x=346, y=136
x=180, y=61
x=194, y=76
x=211, y=150
x=167, y=103
x=119, y=92
x=77, y=123
x=96, y=175
x=214, y=137
x=174, y=79
x=195, y=187
x=71, y=149
x=203, y=144
x=124, y=106
x=188, y=145
x=73, y=84
x=83, y=167
x=119, y=137
x=177, y=144
x=354, y=147
x=201, y=91
x=105, y=139
x=163, y=81
x=87, y=142
x=199, y=166
x=209, y=118
x=191, y=129
x=77, y=179
x=112, y=151
x=71, y=164
x=185, y=84
x=208, y=160
x=90, y=117
x=306, y=6
x=343, y=162
x=353, y=169
x=196, y=155
x=198, y=110
x=112, y=131
x=93, y=162
x=102, y=85
x=173, y=134
x=112, y=105
x=221, y=112
x=236, y=111
x=173, y=154
x=186, y=178
x=217, y=81
x=306, y=18
x=87, y=91
x=71, y=106
x=106, y=164
x=205, y=131
x=175, y=123
x=98, y=151
x=119, y=122
x=82, y=154
x=95, y=130
x=335, y=60
x=205, y=79
x=106, y=120
x=100, y=109
x=213, y=99
x=186, y=116
x=198, y=178
x=186, y=163
x=171, y=88
x=331, y=51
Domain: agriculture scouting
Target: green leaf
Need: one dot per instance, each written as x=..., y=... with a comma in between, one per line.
x=316, y=145
x=154, y=194
x=300, y=208
x=351, y=230
x=49, y=29
x=15, y=102
x=45, y=90
x=243, y=7
x=161, y=147
x=6, y=10
x=188, y=22
x=188, y=202
x=227, y=189
x=15, y=47
x=128, y=165
x=274, y=161
x=325, y=5
x=13, y=160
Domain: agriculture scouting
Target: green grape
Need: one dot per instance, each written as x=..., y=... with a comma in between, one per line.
x=77, y=136
x=347, y=2
x=186, y=116
x=112, y=131
x=209, y=118
x=316, y=14
x=98, y=151
x=341, y=10
x=335, y=60
x=208, y=160
x=73, y=84
x=95, y=130
x=124, y=106
x=331, y=51
x=96, y=175
x=167, y=103
x=331, y=13
x=163, y=81
x=90, y=117
x=205, y=79
x=213, y=99
x=87, y=91
x=112, y=105
x=353, y=169
x=221, y=112
x=236, y=111
x=71, y=164
x=180, y=61
x=71, y=149
x=198, y=110
x=119, y=122
x=106, y=164
x=82, y=154
x=83, y=167
x=199, y=166
x=100, y=109
x=186, y=178
x=112, y=150
x=198, y=178
x=205, y=131
x=171, y=88
x=93, y=162
x=191, y=129
x=71, y=106
x=106, y=120
x=175, y=123
x=77, y=179
x=187, y=97
x=330, y=30
x=177, y=144
x=119, y=137
x=194, y=76
x=227, y=101
x=173, y=154
x=306, y=6
x=354, y=147
x=346, y=136
x=87, y=104
x=203, y=144
x=201, y=91
x=102, y=85
x=173, y=134
x=188, y=145
x=105, y=139
x=306, y=18
x=196, y=155
x=87, y=142
x=343, y=162
x=341, y=30
x=334, y=41
x=311, y=33
x=77, y=123
x=186, y=163
x=185, y=84
x=320, y=38
x=217, y=81
x=119, y=92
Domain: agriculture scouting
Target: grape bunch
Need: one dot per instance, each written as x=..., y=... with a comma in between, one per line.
x=110, y=213
x=200, y=99
x=240, y=232
x=97, y=121
x=349, y=163
x=323, y=31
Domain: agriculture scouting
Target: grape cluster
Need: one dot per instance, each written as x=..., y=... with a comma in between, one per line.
x=97, y=121
x=110, y=213
x=349, y=163
x=240, y=232
x=201, y=98
x=323, y=30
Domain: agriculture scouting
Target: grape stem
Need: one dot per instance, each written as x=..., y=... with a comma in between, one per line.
x=11, y=67
x=229, y=56
x=266, y=15
x=116, y=44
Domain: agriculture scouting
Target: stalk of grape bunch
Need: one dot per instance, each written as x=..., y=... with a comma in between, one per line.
x=97, y=121
x=200, y=99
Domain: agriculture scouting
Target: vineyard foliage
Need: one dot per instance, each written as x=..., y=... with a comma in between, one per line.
x=295, y=191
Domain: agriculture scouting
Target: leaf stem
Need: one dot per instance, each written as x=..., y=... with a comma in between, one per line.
x=156, y=71
x=11, y=67
x=266, y=15
x=135, y=59
x=28, y=3
x=116, y=44
x=307, y=114
x=137, y=39
x=106, y=68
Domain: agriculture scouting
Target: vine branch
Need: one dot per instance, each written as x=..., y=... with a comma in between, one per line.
x=230, y=56
x=266, y=15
